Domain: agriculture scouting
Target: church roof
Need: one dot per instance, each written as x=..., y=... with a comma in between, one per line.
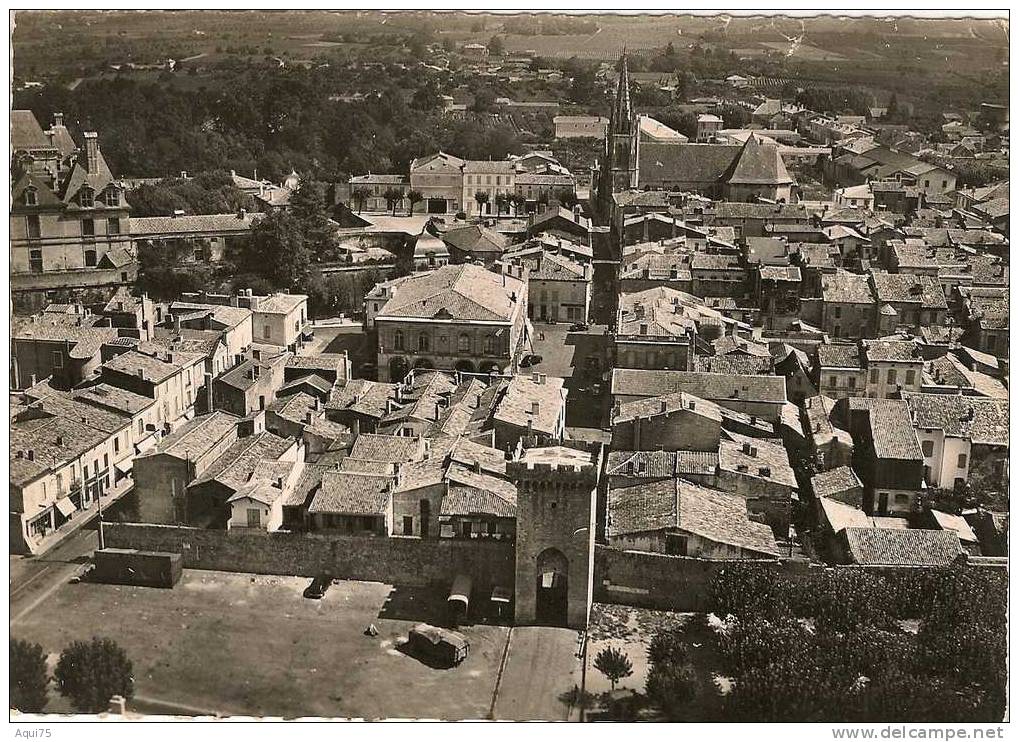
x=759, y=164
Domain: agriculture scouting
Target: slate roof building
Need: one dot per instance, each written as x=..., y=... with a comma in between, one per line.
x=558, y=287
x=960, y=434
x=897, y=547
x=759, y=396
x=684, y=519
x=458, y=317
x=70, y=222
x=720, y=171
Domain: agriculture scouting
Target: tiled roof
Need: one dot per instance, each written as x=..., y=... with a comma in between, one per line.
x=905, y=287
x=198, y=435
x=843, y=287
x=228, y=316
x=279, y=303
x=759, y=164
x=839, y=355
x=114, y=398
x=902, y=351
x=984, y=421
x=834, y=481
x=368, y=398
x=697, y=163
x=658, y=464
x=892, y=430
x=350, y=493
x=500, y=167
x=678, y=504
x=457, y=292
x=306, y=484
x=391, y=448
x=26, y=133
x=715, y=387
x=666, y=405
x=516, y=406
x=902, y=547
x=85, y=341
x=728, y=344
x=735, y=365
x=955, y=523
x=780, y=273
x=52, y=437
x=153, y=227
x=759, y=458
x=156, y=369
x=664, y=312
x=482, y=481
x=463, y=500
x=551, y=267
x=476, y=238
x=238, y=463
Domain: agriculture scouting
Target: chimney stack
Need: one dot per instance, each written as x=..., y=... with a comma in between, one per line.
x=91, y=151
x=535, y=406
x=58, y=119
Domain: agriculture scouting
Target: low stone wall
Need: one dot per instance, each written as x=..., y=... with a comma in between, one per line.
x=660, y=581
x=403, y=561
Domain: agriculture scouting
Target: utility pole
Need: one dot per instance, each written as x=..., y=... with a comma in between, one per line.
x=99, y=500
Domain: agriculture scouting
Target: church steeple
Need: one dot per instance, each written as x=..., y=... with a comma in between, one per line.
x=618, y=169
x=622, y=113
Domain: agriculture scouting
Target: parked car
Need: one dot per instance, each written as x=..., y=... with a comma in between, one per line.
x=532, y=359
x=579, y=327
x=441, y=646
x=318, y=587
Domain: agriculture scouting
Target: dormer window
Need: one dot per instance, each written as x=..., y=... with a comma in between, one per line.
x=112, y=197
x=31, y=197
x=87, y=197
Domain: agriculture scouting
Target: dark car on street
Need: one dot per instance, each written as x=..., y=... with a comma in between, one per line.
x=318, y=587
x=532, y=359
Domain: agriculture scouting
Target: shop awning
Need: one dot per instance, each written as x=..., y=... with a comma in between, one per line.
x=65, y=507
x=501, y=595
x=125, y=466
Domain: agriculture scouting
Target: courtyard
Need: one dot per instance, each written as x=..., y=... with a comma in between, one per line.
x=565, y=353
x=242, y=644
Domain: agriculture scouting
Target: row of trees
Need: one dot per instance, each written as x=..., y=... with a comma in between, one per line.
x=271, y=120
x=829, y=648
x=88, y=674
x=285, y=250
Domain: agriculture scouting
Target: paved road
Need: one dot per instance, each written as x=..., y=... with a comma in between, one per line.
x=541, y=665
x=34, y=579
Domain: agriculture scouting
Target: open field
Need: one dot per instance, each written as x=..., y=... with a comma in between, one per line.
x=252, y=645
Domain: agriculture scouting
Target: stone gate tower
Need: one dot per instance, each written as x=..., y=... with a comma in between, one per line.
x=556, y=506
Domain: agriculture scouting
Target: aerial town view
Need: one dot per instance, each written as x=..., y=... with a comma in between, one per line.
x=506, y=366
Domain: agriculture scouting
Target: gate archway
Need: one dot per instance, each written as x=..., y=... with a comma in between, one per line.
x=552, y=576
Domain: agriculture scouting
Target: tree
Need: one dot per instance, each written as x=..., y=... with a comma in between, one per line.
x=393, y=198
x=613, y=664
x=484, y=99
x=277, y=251
x=567, y=197
x=892, y=112
x=28, y=677
x=519, y=202
x=359, y=195
x=482, y=198
x=414, y=197
x=495, y=47
x=90, y=673
x=502, y=201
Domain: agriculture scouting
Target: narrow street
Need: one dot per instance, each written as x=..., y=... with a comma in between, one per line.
x=33, y=579
x=541, y=666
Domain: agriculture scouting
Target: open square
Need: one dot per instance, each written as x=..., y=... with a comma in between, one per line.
x=252, y=645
